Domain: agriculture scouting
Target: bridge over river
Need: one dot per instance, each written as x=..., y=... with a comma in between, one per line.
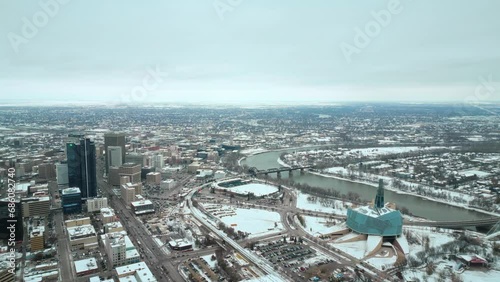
x=254, y=171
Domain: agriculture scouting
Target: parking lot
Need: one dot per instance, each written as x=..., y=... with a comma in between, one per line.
x=281, y=252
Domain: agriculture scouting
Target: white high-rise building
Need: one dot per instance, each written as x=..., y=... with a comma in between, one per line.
x=114, y=156
x=128, y=193
x=158, y=161
x=96, y=204
x=119, y=249
x=62, y=173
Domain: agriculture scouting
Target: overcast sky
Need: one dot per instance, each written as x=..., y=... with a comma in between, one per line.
x=254, y=51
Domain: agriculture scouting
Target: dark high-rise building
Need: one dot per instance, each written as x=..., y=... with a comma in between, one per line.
x=47, y=171
x=6, y=220
x=113, y=139
x=71, y=200
x=82, y=167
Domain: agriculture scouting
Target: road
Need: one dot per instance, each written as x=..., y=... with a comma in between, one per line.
x=156, y=259
x=289, y=209
x=67, y=269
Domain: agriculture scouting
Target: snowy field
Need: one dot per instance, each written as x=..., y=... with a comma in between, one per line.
x=253, y=151
x=257, y=189
x=256, y=222
x=472, y=172
x=313, y=203
x=355, y=249
x=336, y=169
x=317, y=226
x=470, y=275
x=381, y=262
x=436, y=239
x=319, y=257
x=478, y=275
x=373, y=152
x=211, y=263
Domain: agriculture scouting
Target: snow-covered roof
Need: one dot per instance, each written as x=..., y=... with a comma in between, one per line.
x=85, y=265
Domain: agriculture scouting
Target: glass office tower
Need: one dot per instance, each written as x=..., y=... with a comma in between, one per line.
x=82, y=167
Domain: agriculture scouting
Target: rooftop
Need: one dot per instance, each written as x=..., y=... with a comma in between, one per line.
x=72, y=190
x=97, y=279
x=116, y=224
x=85, y=265
x=142, y=203
x=107, y=212
x=81, y=231
x=138, y=271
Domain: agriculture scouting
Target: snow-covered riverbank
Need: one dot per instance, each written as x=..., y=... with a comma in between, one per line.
x=392, y=188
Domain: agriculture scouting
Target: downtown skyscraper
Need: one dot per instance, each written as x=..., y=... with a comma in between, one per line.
x=82, y=167
x=115, y=140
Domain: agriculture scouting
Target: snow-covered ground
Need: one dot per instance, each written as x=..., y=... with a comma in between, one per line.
x=382, y=262
x=282, y=163
x=483, y=276
x=436, y=239
x=210, y=262
x=313, y=203
x=336, y=169
x=317, y=226
x=256, y=222
x=319, y=257
x=472, y=172
x=257, y=189
x=470, y=275
x=163, y=246
x=253, y=151
x=355, y=249
x=372, y=152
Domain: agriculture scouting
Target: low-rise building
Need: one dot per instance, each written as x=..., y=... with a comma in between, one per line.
x=139, y=272
x=107, y=216
x=167, y=184
x=86, y=267
x=192, y=168
x=77, y=222
x=82, y=237
x=113, y=227
x=37, y=239
x=180, y=245
x=143, y=207
x=5, y=275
